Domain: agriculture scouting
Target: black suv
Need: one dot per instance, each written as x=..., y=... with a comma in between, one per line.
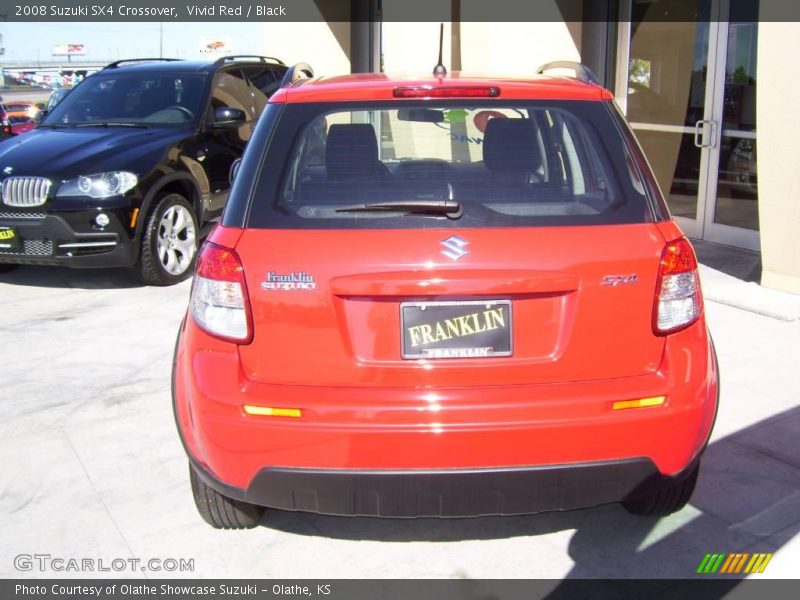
x=131, y=165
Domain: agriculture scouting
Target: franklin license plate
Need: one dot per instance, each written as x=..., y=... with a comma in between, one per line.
x=9, y=239
x=468, y=329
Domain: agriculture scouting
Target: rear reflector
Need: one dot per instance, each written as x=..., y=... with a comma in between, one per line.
x=679, y=302
x=219, y=302
x=267, y=411
x=447, y=92
x=641, y=403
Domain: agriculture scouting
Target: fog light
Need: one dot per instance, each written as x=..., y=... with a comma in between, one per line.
x=102, y=220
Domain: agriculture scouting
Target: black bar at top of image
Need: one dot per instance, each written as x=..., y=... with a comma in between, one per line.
x=386, y=10
x=397, y=589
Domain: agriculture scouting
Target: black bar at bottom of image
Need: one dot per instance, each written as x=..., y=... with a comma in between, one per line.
x=396, y=589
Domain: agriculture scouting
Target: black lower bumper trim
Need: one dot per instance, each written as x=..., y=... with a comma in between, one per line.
x=122, y=255
x=449, y=493
x=56, y=240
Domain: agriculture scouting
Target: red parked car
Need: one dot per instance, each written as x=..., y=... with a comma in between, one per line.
x=20, y=125
x=5, y=124
x=443, y=296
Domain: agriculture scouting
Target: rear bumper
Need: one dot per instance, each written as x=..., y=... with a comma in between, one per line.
x=447, y=451
x=449, y=493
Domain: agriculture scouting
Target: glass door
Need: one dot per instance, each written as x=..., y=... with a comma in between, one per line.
x=689, y=93
x=731, y=211
x=669, y=94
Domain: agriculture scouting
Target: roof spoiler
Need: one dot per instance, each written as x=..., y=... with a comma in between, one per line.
x=296, y=73
x=118, y=63
x=581, y=71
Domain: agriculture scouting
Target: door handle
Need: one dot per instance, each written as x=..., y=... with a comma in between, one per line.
x=699, y=131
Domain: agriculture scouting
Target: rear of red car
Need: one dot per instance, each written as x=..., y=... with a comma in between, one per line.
x=5, y=124
x=463, y=299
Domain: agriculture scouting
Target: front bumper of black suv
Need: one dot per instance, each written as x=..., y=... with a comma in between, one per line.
x=69, y=238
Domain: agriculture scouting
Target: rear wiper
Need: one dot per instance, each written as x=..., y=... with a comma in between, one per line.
x=110, y=124
x=449, y=208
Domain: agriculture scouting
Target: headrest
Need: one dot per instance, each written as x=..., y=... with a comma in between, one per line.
x=351, y=151
x=509, y=145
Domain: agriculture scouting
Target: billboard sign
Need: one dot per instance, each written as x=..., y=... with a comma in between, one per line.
x=215, y=46
x=68, y=50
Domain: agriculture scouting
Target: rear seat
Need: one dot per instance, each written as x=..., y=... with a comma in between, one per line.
x=353, y=172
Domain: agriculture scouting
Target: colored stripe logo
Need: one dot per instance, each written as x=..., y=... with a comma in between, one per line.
x=739, y=562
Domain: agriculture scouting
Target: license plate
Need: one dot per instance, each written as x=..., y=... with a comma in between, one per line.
x=457, y=329
x=9, y=239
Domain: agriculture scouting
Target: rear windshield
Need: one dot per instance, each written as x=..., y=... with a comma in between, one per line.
x=447, y=165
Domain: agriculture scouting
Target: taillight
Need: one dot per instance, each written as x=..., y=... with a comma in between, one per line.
x=678, y=299
x=425, y=91
x=219, y=302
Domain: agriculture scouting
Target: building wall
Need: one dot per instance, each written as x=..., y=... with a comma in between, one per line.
x=325, y=46
x=512, y=49
x=778, y=157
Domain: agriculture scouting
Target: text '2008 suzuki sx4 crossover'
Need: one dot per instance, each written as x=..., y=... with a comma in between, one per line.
x=444, y=296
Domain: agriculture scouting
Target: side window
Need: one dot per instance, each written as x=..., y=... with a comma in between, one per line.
x=233, y=90
x=573, y=161
x=264, y=79
x=580, y=165
x=265, y=82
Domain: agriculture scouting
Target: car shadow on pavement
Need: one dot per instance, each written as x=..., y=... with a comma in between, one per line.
x=747, y=500
x=63, y=277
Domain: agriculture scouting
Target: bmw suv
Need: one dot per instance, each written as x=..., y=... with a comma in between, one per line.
x=128, y=168
x=444, y=296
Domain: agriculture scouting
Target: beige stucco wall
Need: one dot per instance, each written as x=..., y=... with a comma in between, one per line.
x=325, y=46
x=778, y=90
x=515, y=49
x=412, y=48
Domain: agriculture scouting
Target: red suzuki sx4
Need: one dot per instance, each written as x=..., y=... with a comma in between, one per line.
x=445, y=296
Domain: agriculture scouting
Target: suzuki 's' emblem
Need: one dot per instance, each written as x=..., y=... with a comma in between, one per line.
x=455, y=247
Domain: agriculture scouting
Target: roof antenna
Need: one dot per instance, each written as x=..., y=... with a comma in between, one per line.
x=439, y=70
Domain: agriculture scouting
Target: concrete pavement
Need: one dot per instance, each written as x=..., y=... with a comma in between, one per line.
x=92, y=466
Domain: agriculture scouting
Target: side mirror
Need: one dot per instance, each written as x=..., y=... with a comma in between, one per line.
x=226, y=117
x=235, y=166
x=40, y=116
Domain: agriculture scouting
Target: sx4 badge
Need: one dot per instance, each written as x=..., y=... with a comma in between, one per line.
x=289, y=281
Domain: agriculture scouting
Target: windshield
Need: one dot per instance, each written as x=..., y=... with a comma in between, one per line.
x=458, y=165
x=20, y=108
x=146, y=99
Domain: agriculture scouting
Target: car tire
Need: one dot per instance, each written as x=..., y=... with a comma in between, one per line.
x=667, y=500
x=169, y=242
x=7, y=268
x=222, y=512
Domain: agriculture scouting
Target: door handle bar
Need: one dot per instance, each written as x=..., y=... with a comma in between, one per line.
x=699, y=130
